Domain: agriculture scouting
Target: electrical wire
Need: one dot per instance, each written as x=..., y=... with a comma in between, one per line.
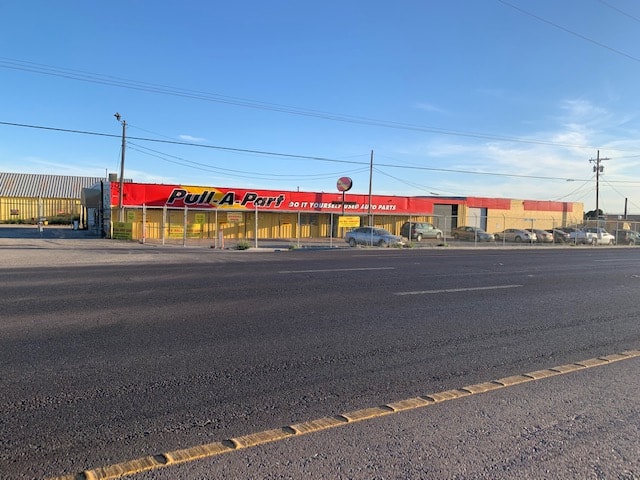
x=425, y=188
x=211, y=97
x=571, y=32
x=304, y=157
x=575, y=192
x=619, y=193
x=229, y=172
x=612, y=7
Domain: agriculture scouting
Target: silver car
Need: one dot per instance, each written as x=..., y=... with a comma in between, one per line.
x=516, y=235
x=542, y=236
x=372, y=236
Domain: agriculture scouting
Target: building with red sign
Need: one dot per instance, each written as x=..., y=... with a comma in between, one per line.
x=159, y=211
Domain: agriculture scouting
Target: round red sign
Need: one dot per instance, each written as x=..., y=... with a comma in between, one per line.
x=344, y=184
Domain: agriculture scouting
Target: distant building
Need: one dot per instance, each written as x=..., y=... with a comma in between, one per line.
x=25, y=197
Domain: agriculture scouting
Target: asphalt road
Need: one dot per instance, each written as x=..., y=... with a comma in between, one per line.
x=112, y=352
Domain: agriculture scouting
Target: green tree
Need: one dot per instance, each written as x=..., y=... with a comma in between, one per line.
x=592, y=215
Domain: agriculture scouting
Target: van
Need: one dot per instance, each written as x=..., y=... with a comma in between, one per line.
x=420, y=230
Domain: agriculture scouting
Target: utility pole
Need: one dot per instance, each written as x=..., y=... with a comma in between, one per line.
x=598, y=169
x=121, y=192
x=370, y=182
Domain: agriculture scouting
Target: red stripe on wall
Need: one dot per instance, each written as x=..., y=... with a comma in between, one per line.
x=545, y=206
x=496, y=203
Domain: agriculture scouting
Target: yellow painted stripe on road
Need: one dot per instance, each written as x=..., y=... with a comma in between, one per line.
x=409, y=404
x=318, y=424
x=514, y=380
x=119, y=470
x=367, y=413
x=262, y=437
x=197, y=452
x=483, y=387
x=592, y=362
x=447, y=395
x=540, y=374
x=132, y=467
x=572, y=367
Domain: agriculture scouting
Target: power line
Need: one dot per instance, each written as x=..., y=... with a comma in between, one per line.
x=301, y=157
x=211, y=97
x=571, y=32
x=406, y=182
x=575, y=191
x=175, y=142
x=229, y=172
x=619, y=193
x=607, y=4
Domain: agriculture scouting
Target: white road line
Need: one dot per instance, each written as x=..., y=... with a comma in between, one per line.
x=338, y=270
x=454, y=290
x=616, y=260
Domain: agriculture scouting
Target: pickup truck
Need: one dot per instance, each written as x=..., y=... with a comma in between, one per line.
x=592, y=236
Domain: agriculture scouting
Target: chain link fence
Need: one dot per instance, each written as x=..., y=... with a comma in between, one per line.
x=254, y=229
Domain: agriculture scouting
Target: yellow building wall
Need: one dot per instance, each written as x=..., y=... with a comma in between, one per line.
x=28, y=209
x=235, y=225
x=516, y=216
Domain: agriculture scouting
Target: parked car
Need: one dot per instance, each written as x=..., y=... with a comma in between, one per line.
x=599, y=236
x=471, y=233
x=627, y=237
x=420, y=230
x=372, y=236
x=542, y=236
x=516, y=235
x=580, y=235
x=559, y=236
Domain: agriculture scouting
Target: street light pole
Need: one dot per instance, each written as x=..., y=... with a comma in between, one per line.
x=120, y=193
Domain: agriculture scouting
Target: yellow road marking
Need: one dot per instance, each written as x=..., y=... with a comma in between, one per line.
x=198, y=452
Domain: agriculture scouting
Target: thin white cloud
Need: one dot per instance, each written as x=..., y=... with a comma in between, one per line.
x=583, y=111
x=428, y=107
x=189, y=138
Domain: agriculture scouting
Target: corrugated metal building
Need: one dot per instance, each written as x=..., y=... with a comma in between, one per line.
x=25, y=197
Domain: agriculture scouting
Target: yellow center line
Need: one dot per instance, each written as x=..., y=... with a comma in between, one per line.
x=198, y=452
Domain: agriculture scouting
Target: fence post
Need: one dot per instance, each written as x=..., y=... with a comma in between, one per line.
x=184, y=228
x=331, y=230
x=163, y=224
x=144, y=223
x=256, y=228
x=215, y=238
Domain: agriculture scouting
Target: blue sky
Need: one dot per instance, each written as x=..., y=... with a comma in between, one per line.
x=460, y=97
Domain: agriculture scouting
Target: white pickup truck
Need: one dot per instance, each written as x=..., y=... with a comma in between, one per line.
x=592, y=236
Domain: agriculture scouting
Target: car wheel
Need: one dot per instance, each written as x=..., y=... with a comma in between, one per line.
x=419, y=237
x=352, y=242
x=497, y=238
x=456, y=236
x=382, y=243
x=594, y=241
x=438, y=236
x=518, y=239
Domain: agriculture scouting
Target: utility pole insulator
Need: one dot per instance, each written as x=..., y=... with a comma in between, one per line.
x=598, y=169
